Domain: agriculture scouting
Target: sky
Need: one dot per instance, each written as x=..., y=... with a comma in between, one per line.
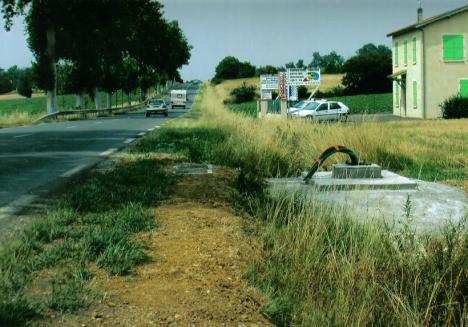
x=267, y=31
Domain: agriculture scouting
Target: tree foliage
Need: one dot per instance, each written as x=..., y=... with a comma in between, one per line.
x=372, y=49
x=231, y=68
x=367, y=74
x=331, y=63
x=98, y=39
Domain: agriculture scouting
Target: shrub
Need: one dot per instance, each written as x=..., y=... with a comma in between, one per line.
x=455, y=107
x=243, y=94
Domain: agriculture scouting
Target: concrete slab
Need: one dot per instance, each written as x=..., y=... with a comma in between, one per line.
x=431, y=203
x=323, y=181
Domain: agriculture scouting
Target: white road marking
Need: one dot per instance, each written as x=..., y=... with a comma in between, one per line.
x=74, y=126
x=23, y=135
x=141, y=134
x=98, y=122
x=16, y=205
x=151, y=129
x=210, y=169
x=108, y=152
x=73, y=171
x=127, y=141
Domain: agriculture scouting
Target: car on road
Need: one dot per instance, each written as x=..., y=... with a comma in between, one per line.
x=156, y=106
x=320, y=110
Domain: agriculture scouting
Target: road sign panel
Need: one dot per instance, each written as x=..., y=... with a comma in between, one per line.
x=299, y=76
x=269, y=82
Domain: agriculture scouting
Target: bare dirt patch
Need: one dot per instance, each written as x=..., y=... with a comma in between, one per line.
x=199, y=255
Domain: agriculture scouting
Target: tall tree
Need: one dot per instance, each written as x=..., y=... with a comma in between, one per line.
x=367, y=74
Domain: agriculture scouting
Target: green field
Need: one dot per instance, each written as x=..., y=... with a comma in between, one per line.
x=25, y=110
x=358, y=104
x=369, y=103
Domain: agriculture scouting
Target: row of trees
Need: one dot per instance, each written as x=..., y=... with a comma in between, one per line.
x=99, y=45
x=365, y=73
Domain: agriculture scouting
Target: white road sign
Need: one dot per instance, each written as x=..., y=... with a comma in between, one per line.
x=269, y=82
x=267, y=94
x=299, y=76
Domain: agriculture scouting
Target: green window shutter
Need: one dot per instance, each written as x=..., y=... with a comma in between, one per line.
x=405, y=52
x=414, y=50
x=397, y=95
x=396, y=53
x=415, y=94
x=454, y=47
x=464, y=88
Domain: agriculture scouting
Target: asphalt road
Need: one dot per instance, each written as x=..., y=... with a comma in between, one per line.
x=36, y=158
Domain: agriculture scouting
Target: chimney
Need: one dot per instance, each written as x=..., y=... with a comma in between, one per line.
x=420, y=13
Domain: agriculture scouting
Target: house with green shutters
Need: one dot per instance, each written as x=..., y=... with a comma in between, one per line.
x=430, y=63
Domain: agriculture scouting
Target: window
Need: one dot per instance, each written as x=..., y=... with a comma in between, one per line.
x=415, y=94
x=396, y=53
x=464, y=88
x=334, y=105
x=405, y=52
x=323, y=107
x=414, y=50
x=397, y=95
x=453, y=47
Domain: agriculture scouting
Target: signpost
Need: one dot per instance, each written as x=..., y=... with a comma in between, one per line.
x=287, y=83
x=282, y=85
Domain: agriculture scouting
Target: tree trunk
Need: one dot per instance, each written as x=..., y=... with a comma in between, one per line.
x=109, y=100
x=97, y=98
x=80, y=101
x=51, y=90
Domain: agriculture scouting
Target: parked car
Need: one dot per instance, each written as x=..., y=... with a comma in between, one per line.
x=156, y=106
x=320, y=110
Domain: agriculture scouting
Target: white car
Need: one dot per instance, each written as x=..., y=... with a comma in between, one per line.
x=156, y=106
x=320, y=110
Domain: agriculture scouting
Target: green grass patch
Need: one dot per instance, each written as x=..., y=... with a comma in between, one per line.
x=247, y=108
x=95, y=222
x=367, y=103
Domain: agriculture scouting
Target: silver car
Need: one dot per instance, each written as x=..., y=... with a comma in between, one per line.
x=156, y=106
x=320, y=110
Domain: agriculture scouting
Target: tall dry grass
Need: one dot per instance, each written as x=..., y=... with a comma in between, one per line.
x=319, y=265
x=16, y=119
x=426, y=149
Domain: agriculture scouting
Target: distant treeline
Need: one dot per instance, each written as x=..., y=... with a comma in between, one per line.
x=365, y=73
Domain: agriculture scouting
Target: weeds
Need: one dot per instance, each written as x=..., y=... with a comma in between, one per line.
x=322, y=267
x=95, y=222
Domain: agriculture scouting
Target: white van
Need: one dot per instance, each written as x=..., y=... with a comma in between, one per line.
x=178, y=98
